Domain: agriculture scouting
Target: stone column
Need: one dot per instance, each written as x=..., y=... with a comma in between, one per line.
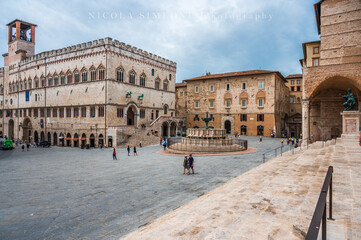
x=305, y=119
x=168, y=131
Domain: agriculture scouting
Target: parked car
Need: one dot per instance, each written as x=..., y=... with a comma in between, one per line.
x=8, y=144
x=44, y=144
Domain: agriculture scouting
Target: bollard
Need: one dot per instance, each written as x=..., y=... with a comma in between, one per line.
x=264, y=158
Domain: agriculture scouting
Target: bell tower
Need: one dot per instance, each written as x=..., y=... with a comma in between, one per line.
x=21, y=41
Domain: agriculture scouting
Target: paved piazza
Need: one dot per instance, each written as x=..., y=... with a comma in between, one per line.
x=69, y=193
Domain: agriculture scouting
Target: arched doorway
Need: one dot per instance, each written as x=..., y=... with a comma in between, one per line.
x=243, y=130
x=36, y=137
x=132, y=116
x=49, y=137
x=11, y=130
x=27, y=127
x=260, y=130
x=173, y=129
x=61, y=139
x=76, y=140
x=55, y=139
x=68, y=140
x=42, y=136
x=228, y=126
x=101, y=140
x=165, y=129
x=83, y=140
x=324, y=120
x=92, y=140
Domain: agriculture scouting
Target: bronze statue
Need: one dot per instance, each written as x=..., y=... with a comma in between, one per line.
x=350, y=103
x=206, y=119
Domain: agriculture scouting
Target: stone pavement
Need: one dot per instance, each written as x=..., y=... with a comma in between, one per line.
x=69, y=193
x=275, y=200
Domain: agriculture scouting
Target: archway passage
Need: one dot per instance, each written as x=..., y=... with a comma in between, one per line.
x=101, y=140
x=83, y=140
x=227, y=126
x=36, y=137
x=49, y=137
x=260, y=130
x=173, y=129
x=243, y=130
x=165, y=129
x=68, y=140
x=92, y=140
x=42, y=136
x=27, y=127
x=131, y=116
x=55, y=139
x=76, y=140
x=61, y=139
x=326, y=105
x=11, y=130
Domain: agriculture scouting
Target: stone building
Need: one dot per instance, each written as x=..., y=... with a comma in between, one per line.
x=82, y=94
x=249, y=102
x=294, y=122
x=331, y=66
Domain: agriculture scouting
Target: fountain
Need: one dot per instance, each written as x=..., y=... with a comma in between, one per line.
x=206, y=140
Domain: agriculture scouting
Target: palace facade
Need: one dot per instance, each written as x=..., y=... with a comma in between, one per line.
x=330, y=66
x=82, y=94
x=247, y=103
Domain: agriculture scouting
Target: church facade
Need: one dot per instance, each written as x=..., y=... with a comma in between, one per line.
x=82, y=94
x=330, y=67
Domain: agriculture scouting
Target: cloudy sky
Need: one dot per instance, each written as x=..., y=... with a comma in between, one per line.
x=200, y=35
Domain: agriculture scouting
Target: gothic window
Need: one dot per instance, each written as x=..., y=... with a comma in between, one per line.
x=25, y=84
x=165, y=85
x=56, y=80
x=76, y=76
x=152, y=71
x=120, y=75
x=50, y=80
x=120, y=112
x=132, y=77
x=157, y=83
x=142, y=113
x=101, y=72
x=62, y=79
x=68, y=112
x=43, y=82
x=170, y=76
x=55, y=112
x=76, y=112
x=142, y=80
x=83, y=112
x=93, y=74
x=92, y=112
x=84, y=75
x=29, y=83
x=101, y=112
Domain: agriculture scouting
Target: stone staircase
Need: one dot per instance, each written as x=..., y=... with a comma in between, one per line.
x=275, y=200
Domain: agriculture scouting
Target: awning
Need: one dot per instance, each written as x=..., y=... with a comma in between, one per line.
x=75, y=139
x=83, y=139
x=92, y=137
x=68, y=138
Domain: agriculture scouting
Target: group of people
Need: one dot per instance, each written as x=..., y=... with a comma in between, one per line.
x=128, y=150
x=188, y=163
x=164, y=141
x=291, y=140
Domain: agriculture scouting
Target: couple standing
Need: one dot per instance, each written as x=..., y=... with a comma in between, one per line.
x=188, y=164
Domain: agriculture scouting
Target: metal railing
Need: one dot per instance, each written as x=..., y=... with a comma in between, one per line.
x=278, y=151
x=321, y=209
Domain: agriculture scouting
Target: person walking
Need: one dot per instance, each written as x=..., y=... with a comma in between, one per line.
x=160, y=141
x=135, y=151
x=27, y=146
x=190, y=164
x=140, y=144
x=260, y=138
x=282, y=142
x=114, y=154
x=128, y=149
x=23, y=147
x=165, y=145
x=185, y=164
x=288, y=141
